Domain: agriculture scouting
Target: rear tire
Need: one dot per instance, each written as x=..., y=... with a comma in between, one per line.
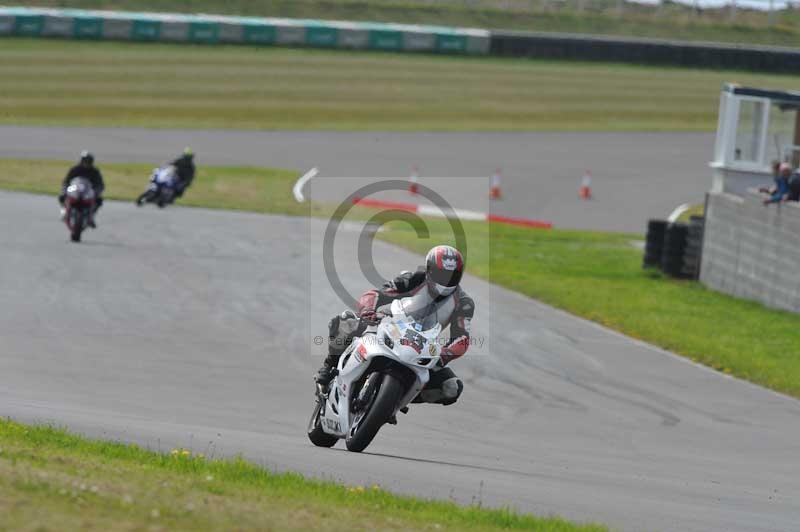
x=382, y=408
x=319, y=437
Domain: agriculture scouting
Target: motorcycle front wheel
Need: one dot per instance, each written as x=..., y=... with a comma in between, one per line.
x=319, y=437
x=368, y=422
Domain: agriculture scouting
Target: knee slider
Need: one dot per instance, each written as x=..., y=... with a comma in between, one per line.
x=451, y=390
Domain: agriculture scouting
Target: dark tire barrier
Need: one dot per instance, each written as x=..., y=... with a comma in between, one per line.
x=654, y=245
x=674, y=247
x=693, y=253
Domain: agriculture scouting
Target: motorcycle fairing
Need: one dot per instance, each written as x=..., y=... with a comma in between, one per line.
x=360, y=355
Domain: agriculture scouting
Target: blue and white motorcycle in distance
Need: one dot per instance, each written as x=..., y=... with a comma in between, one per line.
x=379, y=374
x=163, y=187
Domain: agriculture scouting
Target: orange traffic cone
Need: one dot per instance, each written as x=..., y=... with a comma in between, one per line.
x=413, y=181
x=494, y=186
x=586, y=186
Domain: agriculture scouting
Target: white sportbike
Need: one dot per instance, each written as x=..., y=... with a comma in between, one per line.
x=379, y=374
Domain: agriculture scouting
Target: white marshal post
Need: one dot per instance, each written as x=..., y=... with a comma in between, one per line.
x=755, y=128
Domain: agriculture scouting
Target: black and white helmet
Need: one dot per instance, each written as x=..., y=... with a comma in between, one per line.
x=444, y=267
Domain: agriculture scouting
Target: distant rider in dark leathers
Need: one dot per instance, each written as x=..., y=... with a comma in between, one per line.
x=184, y=167
x=435, y=289
x=86, y=169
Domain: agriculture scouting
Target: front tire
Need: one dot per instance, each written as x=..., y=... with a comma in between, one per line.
x=382, y=408
x=319, y=437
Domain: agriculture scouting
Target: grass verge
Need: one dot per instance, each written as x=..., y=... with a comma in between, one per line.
x=591, y=274
x=266, y=190
x=192, y=86
x=599, y=276
x=670, y=20
x=53, y=480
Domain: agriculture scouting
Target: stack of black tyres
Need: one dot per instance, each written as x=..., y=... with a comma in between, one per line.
x=674, y=245
x=656, y=230
x=693, y=249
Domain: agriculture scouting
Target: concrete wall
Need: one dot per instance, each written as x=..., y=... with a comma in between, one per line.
x=751, y=250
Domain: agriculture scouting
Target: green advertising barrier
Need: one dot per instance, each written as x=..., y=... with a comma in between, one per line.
x=390, y=40
x=211, y=29
x=451, y=43
x=322, y=36
x=146, y=30
x=87, y=28
x=258, y=34
x=29, y=25
x=204, y=32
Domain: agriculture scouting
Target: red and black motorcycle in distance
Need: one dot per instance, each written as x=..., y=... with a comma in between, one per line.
x=79, y=205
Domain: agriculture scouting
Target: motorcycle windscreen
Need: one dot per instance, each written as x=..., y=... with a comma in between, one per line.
x=427, y=312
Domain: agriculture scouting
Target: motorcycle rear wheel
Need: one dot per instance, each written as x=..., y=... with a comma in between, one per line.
x=319, y=437
x=378, y=413
x=77, y=226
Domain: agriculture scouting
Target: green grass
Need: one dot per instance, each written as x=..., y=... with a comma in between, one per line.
x=53, y=480
x=671, y=20
x=266, y=190
x=698, y=209
x=599, y=276
x=193, y=86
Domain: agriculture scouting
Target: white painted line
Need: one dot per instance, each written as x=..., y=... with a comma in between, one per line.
x=680, y=209
x=471, y=215
x=297, y=190
x=433, y=210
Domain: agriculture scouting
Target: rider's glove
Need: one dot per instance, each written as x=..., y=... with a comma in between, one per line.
x=446, y=355
x=369, y=315
x=61, y=198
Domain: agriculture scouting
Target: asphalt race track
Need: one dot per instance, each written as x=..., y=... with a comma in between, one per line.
x=636, y=176
x=189, y=327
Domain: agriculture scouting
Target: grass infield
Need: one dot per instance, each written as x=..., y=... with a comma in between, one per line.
x=50, y=82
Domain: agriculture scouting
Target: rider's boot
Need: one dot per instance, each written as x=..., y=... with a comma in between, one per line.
x=63, y=214
x=328, y=370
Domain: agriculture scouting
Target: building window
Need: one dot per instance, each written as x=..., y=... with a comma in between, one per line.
x=749, y=131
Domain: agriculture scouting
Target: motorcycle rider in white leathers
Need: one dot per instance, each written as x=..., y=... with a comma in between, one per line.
x=435, y=292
